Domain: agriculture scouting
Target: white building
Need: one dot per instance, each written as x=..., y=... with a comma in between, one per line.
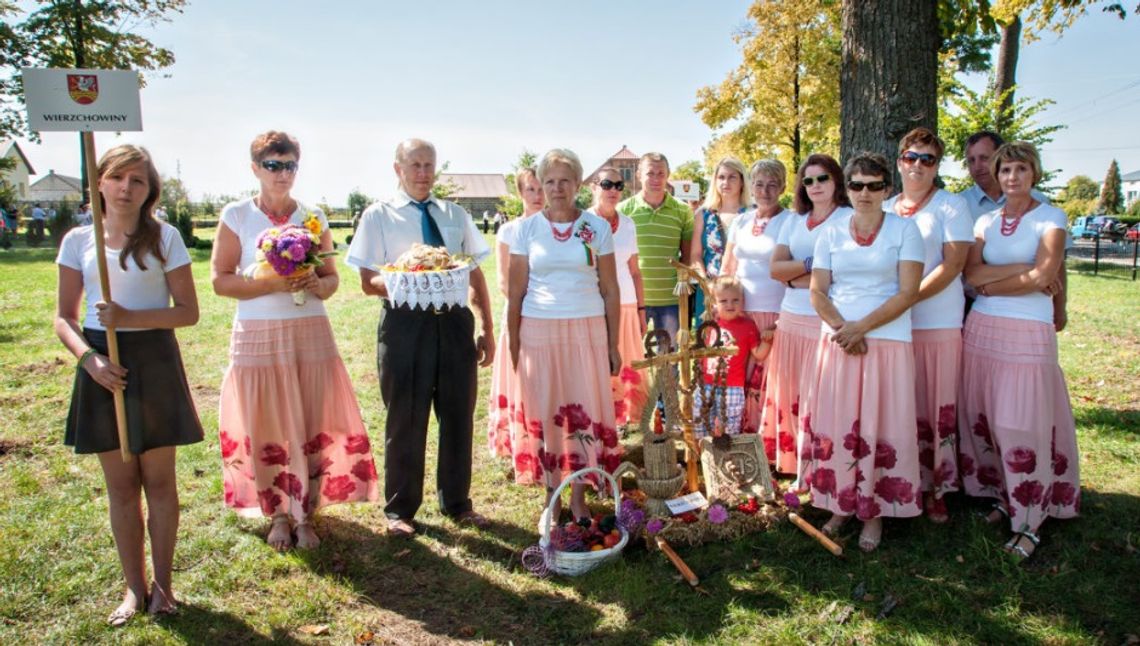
x=1130, y=186
x=18, y=176
x=54, y=187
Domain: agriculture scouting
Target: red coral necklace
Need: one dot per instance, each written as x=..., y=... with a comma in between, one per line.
x=559, y=235
x=909, y=211
x=758, y=225
x=1009, y=223
x=811, y=225
x=276, y=219
x=865, y=241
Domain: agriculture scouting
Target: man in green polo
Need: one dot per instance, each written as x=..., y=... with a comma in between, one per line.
x=664, y=228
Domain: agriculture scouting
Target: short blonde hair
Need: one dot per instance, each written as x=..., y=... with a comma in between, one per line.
x=727, y=284
x=653, y=157
x=560, y=156
x=1021, y=151
x=715, y=200
x=770, y=168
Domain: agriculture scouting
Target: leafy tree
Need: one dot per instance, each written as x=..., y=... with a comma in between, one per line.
x=7, y=190
x=585, y=197
x=443, y=190
x=74, y=33
x=1077, y=207
x=357, y=202
x=782, y=98
x=1111, y=194
x=510, y=205
x=972, y=111
x=694, y=172
x=1052, y=15
x=1080, y=187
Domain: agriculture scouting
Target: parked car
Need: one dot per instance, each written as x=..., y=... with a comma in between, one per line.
x=1112, y=229
x=1133, y=233
x=1084, y=227
x=1091, y=226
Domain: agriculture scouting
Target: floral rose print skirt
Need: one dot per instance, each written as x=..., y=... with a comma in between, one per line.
x=500, y=406
x=290, y=430
x=790, y=378
x=860, y=432
x=937, y=364
x=565, y=416
x=1017, y=434
x=630, y=388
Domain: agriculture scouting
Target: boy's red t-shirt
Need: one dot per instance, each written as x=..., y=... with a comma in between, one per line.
x=743, y=333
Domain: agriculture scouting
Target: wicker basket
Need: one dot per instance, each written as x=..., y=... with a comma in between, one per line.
x=424, y=289
x=576, y=563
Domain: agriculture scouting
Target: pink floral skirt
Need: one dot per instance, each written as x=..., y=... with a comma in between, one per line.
x=290, y=430
x=861, y=433
x=756, y=382
x=937, y=363
x=501, y=405
x=630, y=388
x=1017, y=434
x=790, y=378
x=565, y=418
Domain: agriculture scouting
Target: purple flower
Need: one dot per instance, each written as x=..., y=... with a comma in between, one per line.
x=791, y=499
x=654, y=526
x=718, y=514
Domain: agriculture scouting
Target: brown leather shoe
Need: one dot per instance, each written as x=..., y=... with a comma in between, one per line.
x=470, y=518
x=400, y=528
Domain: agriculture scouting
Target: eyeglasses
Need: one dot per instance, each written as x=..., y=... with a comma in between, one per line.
x=808, y=181
x=610, y=185
x=276, y=165
x=926, y=159
x=856, y=187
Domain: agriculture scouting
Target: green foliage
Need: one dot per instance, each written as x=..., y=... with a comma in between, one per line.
x=67, y=34
x=1080, y=187
x=63, y=221
x=443, y=190
x=1053, y=15
x=1111, y=194
x=510, y=205
x=1134, y=209
x=7, y=190
x=182, y=216
x=585, y=197
x=693, y=171
x=357, y=202
x=1076, y=207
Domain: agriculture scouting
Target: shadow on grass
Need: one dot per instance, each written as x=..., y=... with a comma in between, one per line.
x=197, y=625
x=1111, y=421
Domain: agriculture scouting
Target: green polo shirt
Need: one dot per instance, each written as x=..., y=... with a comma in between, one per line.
x=660, y=234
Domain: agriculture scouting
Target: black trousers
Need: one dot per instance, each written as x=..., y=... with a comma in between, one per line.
x=426, y=359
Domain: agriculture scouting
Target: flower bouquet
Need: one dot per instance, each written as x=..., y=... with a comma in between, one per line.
x=426, y=276
x=289, y=251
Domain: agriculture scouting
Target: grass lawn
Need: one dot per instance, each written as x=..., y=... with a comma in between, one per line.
x=59, y=576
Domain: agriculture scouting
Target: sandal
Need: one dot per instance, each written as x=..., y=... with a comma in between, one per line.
x=121, y=615
x=867, y=542
x=1014, y=545
x=936, y=510
x=997, y=513
x=169, y=605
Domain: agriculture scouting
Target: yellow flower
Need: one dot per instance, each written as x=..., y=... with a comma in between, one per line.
x=286, y=255
x=313, y=224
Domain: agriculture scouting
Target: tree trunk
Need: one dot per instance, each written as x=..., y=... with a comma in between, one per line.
x=796, y=132
x=79, y=51
x=888, y=84
x=1006, y=75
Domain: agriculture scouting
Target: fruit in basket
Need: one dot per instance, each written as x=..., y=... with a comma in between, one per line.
x=611, y=539
x=422, y=257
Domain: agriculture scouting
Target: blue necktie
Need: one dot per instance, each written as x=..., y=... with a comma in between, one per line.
x=428, y=227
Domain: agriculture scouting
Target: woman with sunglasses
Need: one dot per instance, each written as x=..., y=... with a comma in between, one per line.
x=1015, y=423
x=629, y=387
x=289, y=425
x=727, y=198
x=862, y=436
x=820, y=197
x=944, y=221
x=502, y=406
x=149, y=271
x=748, y=254
x=562, y=320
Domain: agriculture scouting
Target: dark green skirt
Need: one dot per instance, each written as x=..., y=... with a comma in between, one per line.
x=160, y=411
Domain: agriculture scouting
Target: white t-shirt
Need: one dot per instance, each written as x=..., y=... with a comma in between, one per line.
x=625, y=247
x=134, y=289
x=753, y=253
x=563, y=285
x=795, y=235
x=945, y=218
x=1021, y=247
x=863, y=278
x=506, y=235
x=247, y=222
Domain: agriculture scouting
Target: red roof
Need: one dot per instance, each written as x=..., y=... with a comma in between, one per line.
x=625, y=153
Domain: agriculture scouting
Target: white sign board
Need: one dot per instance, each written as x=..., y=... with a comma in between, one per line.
x=688, y=502
x=686, y=190
x=82, y=100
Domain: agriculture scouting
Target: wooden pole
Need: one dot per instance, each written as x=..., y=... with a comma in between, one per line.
x=679, y=563
x=810, y=530
x=105, y=284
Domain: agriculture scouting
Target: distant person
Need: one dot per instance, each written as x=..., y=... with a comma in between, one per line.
x=1017, y=434
x=486, y=221
x=154, y=294
x=36, y=230
x=84, y=215
x=160, y=213
x=7, y=223
x=664, y=232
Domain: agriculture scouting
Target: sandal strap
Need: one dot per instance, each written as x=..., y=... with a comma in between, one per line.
x=1020, y=550
x=1033, y=538
x=998, y=507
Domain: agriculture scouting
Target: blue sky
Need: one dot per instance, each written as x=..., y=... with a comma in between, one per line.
x=484, y=80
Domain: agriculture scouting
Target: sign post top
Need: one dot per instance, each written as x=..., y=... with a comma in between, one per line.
x=82, y=100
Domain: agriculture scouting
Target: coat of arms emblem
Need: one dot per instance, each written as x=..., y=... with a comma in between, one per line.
x=83, y=88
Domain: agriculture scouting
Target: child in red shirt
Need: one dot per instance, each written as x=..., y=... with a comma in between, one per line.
x=741, y=331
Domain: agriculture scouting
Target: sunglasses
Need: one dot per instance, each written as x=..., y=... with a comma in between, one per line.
x=856, y=187
x=808, y=181
x=610, y=185
x=926, y=159
x=276, y=166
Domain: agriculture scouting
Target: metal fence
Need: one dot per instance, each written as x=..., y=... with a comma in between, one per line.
x=1103, y=255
